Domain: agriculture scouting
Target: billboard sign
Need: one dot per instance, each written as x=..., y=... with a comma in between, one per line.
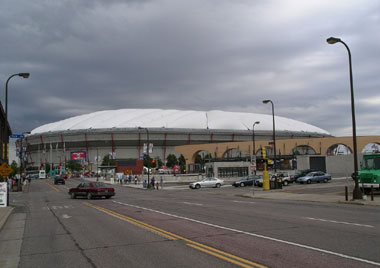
x=78, y=156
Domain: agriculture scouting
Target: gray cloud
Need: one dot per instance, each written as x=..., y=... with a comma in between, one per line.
x=85, y=56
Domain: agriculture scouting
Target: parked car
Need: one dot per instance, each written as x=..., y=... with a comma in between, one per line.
x=285, y=178
x=315, y=176
x=207, y=182
x=301, y=173
x=91, y=190
x=259, y=182
x=247, y=181
x=59, y=179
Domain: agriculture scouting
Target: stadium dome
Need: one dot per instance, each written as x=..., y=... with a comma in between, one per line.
x=123, y=133
x=176, y=119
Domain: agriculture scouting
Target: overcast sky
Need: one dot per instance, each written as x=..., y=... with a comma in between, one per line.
x=228, y=55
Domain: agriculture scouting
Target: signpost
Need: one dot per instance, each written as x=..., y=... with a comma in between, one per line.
x=5, y=170
x=3, y=194
x=16, y=136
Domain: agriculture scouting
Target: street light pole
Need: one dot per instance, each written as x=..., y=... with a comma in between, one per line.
x=147, y=151
x=253, y=143
x=24, y=75
x=357, y=194
x=21, y=157
x=274, y=134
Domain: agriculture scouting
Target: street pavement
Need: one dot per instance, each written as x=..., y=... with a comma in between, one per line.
x=48, y=229
x=287, y=193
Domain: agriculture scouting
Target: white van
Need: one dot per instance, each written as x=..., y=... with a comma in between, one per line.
x=42, y=174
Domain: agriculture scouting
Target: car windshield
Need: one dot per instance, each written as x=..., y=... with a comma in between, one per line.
x=310, y=174
x=98, y=184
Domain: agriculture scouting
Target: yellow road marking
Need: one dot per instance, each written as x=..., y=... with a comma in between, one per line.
x=51, y=186
x=206, y=249
x=219, y=256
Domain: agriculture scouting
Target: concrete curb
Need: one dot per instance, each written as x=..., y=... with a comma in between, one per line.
x=4, y=216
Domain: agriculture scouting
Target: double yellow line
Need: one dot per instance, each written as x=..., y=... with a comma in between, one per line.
x=195, y=245
x=51, y=186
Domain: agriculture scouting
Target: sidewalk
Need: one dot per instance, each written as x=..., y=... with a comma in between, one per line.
x=321, y=198
x=4, y=214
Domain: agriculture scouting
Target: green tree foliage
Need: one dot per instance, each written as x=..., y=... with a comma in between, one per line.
x=181, y=160
x=73, y=165
x=148, y=161
x=171, y=160
x=182, y=163
x=14, y=167
x=107, y=161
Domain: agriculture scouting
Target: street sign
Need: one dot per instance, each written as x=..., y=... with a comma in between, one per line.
x=271, y=142
x=5, y=170
x=17, y=136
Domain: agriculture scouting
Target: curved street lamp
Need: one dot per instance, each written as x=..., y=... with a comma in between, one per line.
x=357, y=194
x=253, y=137
x=147, y=151
x=24, y=75
x=274, y=133
x=253, y=144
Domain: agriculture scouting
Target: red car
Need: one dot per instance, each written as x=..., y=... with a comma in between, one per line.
x=91, y=190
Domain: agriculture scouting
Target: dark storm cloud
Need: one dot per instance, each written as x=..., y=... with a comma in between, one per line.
x=85, y=56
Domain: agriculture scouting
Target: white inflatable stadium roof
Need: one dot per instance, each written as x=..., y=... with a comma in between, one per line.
x=176, y=119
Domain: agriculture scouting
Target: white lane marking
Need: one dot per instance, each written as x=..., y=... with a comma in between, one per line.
x=245, y=202
x=65, y=216
x=257, y=235
x=195, y=204
x=340, y=222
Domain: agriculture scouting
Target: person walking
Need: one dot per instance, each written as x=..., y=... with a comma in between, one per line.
x=153, y=182
x=161, y=183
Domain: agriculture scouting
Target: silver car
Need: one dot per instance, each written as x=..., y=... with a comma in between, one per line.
x=315, y=176
x=207, y=182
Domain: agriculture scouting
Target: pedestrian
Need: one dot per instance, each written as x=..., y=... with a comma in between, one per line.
x=162, y=182
x=157, y=185
x=135, y=179
x=25, y=186
x=144, y=184
x=125, y=179
x=152, y=182
x=129, y=178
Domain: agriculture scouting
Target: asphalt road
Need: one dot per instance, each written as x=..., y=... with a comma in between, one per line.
x=192, y=228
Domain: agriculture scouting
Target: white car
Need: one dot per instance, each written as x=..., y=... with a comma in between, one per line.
x=207, y=182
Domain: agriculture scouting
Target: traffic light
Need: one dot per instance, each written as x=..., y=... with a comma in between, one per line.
x=153, y=161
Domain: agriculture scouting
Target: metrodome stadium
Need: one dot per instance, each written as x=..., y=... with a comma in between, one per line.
x=125, y=133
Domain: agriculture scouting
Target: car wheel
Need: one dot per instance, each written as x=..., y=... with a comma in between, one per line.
x=217, y=185
x=197, y=186
x=89, y=196
x=308, y=181
x=242, y=184
x=325, y=180
x=108, y=197
x=285, y=183
x=73, y=196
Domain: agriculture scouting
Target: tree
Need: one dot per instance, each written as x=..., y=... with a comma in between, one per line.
x=171, y=160
x=148, y=161
x=107, y=161
x=73, y=165
x=182, y=163
x=14, y=167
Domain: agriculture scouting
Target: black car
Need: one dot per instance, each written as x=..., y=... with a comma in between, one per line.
x=247, y=181
x=59, y=179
